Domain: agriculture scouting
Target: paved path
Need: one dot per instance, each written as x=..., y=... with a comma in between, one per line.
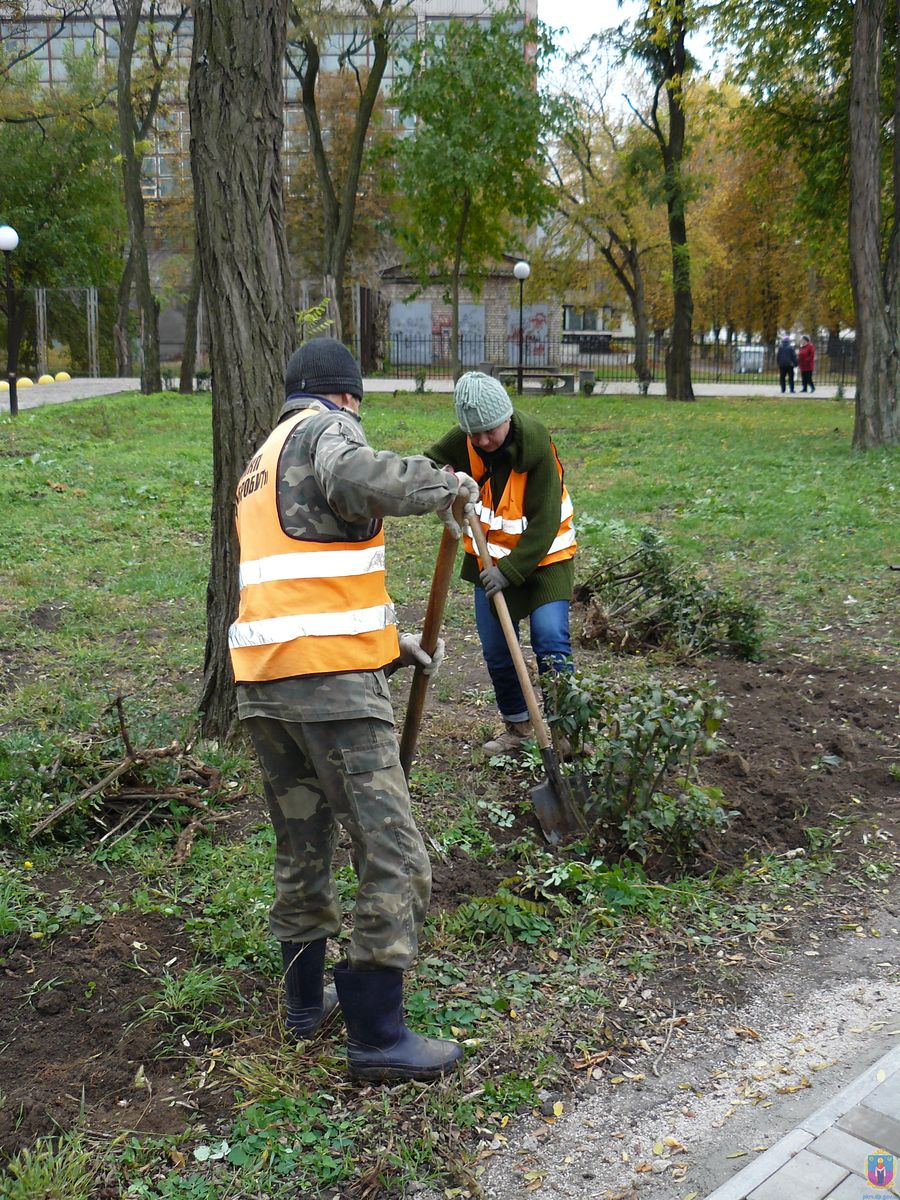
x=827, y=1156
x=83, y=389
x=60, y=393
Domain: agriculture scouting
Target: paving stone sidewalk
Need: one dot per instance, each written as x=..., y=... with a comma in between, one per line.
x=827, y=1156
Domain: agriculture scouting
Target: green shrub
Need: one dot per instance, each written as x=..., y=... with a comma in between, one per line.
x=634, y=758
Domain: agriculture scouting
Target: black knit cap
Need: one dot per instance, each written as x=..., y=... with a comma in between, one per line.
x=324, y=367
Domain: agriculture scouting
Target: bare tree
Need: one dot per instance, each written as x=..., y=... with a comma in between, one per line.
x=236, y=103
x=310, y=25
x=602, y=194
x=137, y=116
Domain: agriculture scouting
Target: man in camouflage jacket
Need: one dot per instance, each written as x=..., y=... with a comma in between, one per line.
x=324, y=731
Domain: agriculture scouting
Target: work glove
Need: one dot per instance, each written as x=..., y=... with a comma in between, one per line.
x=412, y=654
x=468, y=489
x=493, y=581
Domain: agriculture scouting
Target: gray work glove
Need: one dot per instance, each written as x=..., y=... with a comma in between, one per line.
x=468, y=489
x=493, y=581
x=412, y=654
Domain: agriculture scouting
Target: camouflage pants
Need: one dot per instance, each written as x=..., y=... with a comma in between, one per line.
x=317, y=776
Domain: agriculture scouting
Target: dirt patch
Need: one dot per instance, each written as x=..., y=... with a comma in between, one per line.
x=48, y=616
x=68, y=1034
x=802, y=744
x=457, y=878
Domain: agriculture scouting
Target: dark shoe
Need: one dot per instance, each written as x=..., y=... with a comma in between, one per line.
x=379, y=1045
x=307, y=1001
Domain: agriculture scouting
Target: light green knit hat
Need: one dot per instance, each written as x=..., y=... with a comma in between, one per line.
x=482, y=402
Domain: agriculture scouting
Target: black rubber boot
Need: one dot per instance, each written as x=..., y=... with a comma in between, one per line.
x=379, y=1046
x=308, y=1001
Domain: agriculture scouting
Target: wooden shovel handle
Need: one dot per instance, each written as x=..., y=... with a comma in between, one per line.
x=541, y=733
x=431, y=629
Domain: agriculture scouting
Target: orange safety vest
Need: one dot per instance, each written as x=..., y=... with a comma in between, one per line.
x=504, y=527
x=306, y=607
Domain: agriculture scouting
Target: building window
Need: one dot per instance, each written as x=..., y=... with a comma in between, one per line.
x=577, y=319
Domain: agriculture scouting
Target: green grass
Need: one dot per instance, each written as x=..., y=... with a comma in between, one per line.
x=103, y=590
x=103, y=583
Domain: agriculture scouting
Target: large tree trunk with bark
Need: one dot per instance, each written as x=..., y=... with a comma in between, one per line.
x=236, y=105
x=189, y=350
x=876, y=287
x=151, y=381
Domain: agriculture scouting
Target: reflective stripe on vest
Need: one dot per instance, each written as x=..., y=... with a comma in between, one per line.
x=504, y=527
x=306, y=607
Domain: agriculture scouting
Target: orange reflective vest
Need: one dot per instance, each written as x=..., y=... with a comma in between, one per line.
x=504, y=527
x=306, y=607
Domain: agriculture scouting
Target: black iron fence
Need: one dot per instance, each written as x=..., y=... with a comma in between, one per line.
x=609, y=356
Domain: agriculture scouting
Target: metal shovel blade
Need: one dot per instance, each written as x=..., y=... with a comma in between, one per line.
x=553, y=809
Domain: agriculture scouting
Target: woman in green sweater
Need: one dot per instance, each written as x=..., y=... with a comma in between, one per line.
x=526, y=514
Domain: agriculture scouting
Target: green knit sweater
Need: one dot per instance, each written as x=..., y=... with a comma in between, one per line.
x=528, y=452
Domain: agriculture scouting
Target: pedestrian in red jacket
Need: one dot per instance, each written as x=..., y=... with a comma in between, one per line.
x=806, y=361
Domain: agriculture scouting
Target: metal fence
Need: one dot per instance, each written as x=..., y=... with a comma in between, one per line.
x=65, y=329
x=608, y=356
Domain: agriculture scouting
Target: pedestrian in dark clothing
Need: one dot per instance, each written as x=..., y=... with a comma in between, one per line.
x=313, y=643
x=786, y=357
x=806, y=360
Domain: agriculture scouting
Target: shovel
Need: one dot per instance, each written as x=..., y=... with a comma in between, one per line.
x=551, y=799
x=434, y=616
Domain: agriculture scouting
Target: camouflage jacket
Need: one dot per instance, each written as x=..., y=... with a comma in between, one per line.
x=334, y=487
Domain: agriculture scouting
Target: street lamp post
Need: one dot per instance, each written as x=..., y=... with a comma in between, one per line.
x=521, y=271
x=9, y=239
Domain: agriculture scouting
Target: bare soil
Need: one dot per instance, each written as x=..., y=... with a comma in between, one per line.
x=804, y=743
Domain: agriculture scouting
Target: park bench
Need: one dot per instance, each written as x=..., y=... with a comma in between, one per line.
x=542, y=378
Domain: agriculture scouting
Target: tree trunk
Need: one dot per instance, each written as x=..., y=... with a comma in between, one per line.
x=671, y=142
x=235, y=95
x=641, y=325
x=333, y=287
x=189, y=350
x=129, y=17
x=877, y=420
x=454, y=287
x=121, y=332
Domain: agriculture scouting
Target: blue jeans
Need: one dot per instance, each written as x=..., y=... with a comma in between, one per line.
x=549, y=640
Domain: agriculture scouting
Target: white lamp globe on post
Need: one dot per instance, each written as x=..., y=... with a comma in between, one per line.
x=9, y=239
x=521, y=271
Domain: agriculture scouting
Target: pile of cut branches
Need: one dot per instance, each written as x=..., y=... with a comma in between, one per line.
x=645, y=599
x=163, y=783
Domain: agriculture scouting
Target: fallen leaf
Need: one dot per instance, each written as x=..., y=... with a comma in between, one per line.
x=737, y=1154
